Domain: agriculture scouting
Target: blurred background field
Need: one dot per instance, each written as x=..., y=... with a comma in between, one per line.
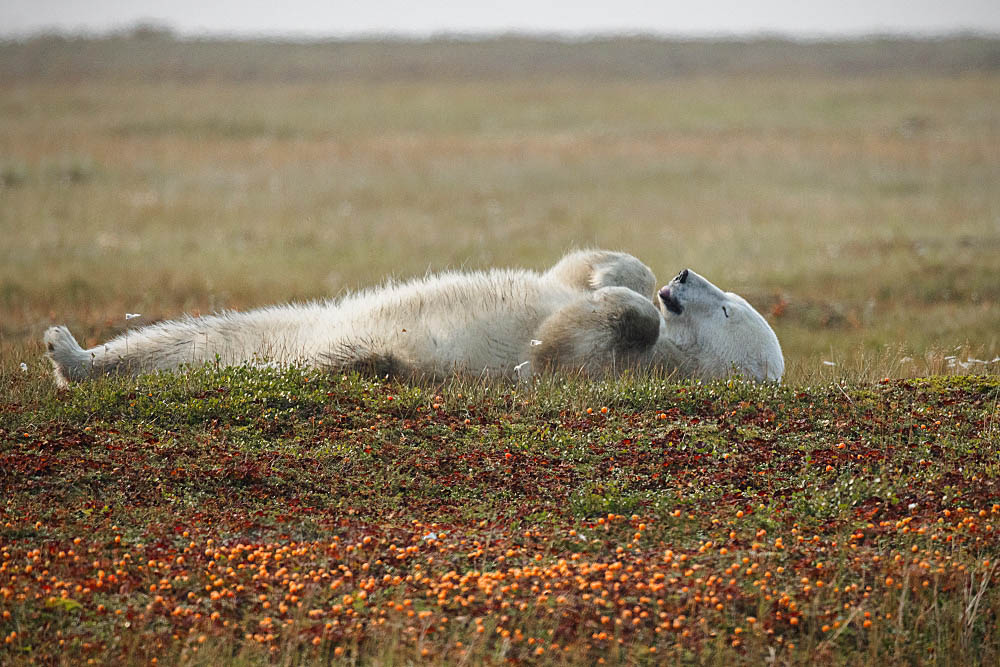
x=850, y=190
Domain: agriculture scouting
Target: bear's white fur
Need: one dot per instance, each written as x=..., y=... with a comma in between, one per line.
x=594, y=312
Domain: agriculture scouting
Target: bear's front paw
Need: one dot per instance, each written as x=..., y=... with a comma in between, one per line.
x=632, y=322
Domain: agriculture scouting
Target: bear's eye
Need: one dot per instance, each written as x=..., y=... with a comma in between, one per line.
x=726, y=312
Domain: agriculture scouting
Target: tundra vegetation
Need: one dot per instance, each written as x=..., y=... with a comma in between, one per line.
x=846, y=516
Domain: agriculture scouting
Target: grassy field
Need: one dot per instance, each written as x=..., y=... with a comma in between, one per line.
x=858, y=210
x=847, y=516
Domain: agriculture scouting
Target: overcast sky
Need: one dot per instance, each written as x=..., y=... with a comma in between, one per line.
x=316, y=18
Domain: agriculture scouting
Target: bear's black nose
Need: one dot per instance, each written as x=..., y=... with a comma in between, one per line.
x=682, y=276
x=670, y=301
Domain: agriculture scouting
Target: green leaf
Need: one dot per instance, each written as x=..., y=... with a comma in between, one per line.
x=66, y=604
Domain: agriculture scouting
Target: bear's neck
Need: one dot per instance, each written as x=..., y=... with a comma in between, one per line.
x=669, y=352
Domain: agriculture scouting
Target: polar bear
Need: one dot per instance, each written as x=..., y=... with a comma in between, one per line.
x=595, y=312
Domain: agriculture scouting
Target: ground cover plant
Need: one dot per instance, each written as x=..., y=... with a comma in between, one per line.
x=264, y=515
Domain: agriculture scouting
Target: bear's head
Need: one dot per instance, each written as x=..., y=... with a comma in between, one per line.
x=719, y=333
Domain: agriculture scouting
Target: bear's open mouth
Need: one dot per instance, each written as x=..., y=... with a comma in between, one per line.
x=670, y=301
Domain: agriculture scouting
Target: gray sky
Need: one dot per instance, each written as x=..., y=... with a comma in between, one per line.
x=315, y=18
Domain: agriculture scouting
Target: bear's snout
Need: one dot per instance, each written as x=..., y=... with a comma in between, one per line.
x=670, y=302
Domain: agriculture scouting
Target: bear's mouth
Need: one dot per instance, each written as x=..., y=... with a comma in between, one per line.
x=670, y=301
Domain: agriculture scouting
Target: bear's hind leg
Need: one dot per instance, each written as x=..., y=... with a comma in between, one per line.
x=70, y=362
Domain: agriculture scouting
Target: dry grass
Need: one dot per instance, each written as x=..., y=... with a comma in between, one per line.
x=860, y=213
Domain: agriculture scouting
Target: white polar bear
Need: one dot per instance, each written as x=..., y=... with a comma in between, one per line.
x=594, y=312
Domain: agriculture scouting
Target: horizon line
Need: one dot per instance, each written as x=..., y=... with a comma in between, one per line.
x=165, y=30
